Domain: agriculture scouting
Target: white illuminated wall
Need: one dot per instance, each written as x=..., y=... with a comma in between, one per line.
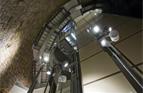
x=98, y=69
x=17, y=89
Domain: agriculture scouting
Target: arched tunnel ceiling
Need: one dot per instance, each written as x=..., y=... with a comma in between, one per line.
x=20, y=21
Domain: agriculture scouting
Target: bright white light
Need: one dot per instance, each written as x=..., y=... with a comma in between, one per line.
x=96, y=29
x=66, y=64
x=46, y=57
x=68, y=39
x=110, y=29
x=55, y=43
x=104, y=43
x=95, y=14
x=40, y=57
x=73, y=35
x=49, y=72
x=69, y=70
x=75, y=48
x=88, y=30
x=98, y=11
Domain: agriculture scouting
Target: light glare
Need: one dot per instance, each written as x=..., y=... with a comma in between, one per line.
x=110, y=29
x=98, y=11
x=75, y=48
x=96, y=29
x=49, y=72
x=40, y=57
x=68, y=39
x=66, y=64
x=73, y=35
x=46, y=57
x=88, y=30
x=95, y=14
x=104, y=43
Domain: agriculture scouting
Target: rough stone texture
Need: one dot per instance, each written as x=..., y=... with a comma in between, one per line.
x=20, y=21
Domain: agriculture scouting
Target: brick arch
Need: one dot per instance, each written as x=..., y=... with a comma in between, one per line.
x=20, y=20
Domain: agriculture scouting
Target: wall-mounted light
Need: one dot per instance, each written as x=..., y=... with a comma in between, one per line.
x=104, y=42
x=88, y=30
x=99, y=11
x=75, y=47
x=49, y=72
x=110, y=29
x=66, y=64
x=46, y=57
x=40, y=57
x=55, y=44
x=96, y=29
x=95, y=13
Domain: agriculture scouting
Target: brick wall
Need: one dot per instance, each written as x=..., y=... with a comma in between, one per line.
x=20, y=21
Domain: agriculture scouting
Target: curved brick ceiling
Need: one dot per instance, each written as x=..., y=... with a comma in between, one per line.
x=20, y=21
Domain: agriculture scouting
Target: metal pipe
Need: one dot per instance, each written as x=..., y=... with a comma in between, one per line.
x=35, y=81
x=79, y=73
x=136, y=67
x=133, y=77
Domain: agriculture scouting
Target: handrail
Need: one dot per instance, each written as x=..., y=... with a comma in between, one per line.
x=35, y=81
x=43, y=28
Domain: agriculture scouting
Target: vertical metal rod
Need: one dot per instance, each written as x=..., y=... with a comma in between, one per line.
x=48, y=81
x=46, y=87
x=35, y=81
x=133, y=77
x=79, y=73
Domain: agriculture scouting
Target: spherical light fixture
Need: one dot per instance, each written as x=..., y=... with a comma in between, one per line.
x=114, y=35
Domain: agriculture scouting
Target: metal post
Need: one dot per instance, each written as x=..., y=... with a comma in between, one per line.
x=76, y=80
x=35, y=81
x=48, y=81
x=133, y=77
x=46, y=87
x=79, y=73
